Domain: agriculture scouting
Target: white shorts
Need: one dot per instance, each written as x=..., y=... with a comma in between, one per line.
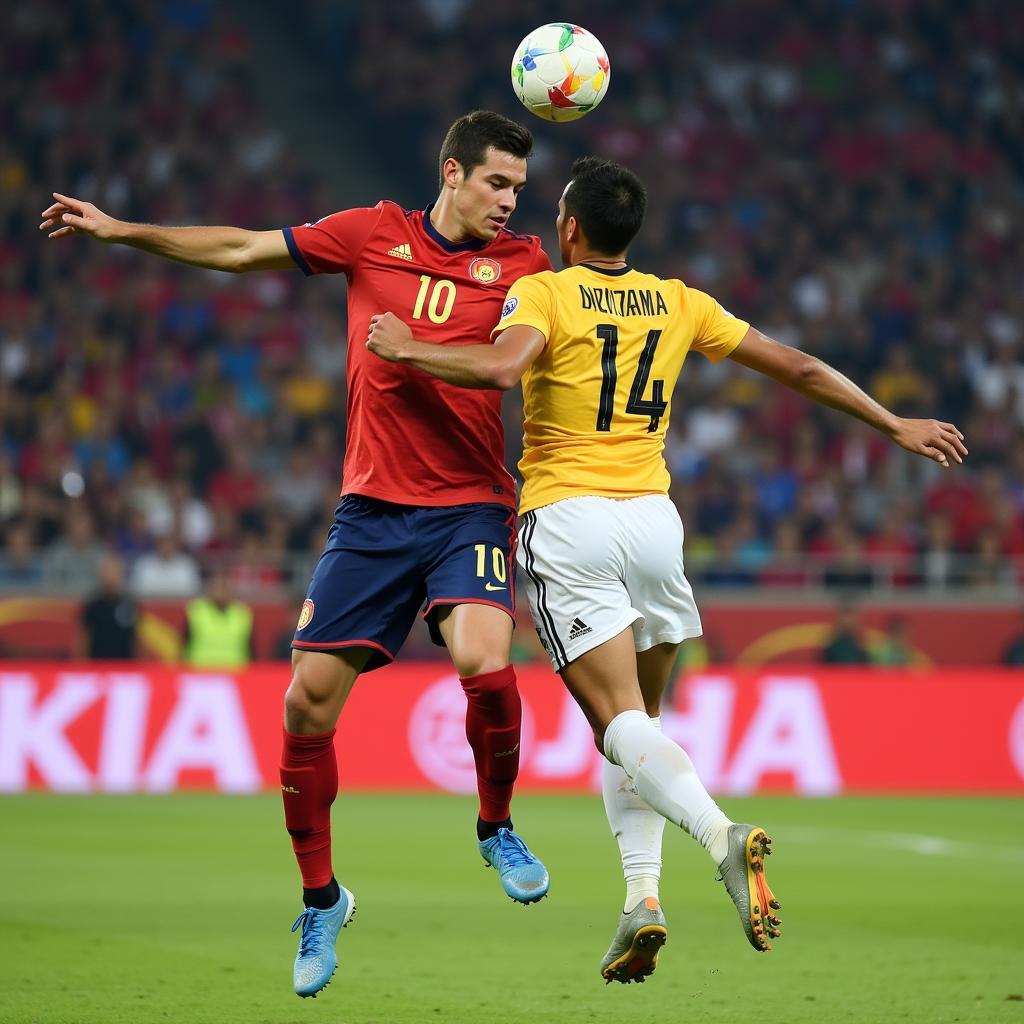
x=594, y=566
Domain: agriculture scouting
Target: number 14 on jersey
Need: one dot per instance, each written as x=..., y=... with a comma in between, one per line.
x=636, y=405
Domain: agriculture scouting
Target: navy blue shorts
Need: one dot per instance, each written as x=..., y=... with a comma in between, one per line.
x=384, y=563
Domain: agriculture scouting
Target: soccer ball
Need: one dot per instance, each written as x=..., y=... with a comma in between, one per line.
x=560, y=72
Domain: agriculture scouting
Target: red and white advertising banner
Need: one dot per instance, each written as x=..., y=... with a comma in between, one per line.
x=145, y=728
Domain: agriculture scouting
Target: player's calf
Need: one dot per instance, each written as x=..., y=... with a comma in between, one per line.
x=493, y=727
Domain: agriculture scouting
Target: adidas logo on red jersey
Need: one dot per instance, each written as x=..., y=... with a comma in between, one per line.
x=403, y=251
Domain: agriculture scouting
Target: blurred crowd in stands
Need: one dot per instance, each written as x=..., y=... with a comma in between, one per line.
x=845, y=175
x=174, y=416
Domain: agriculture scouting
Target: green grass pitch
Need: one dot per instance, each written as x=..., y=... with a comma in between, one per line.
x=132, y=910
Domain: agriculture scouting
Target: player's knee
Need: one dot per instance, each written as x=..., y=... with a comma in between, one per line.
x=304, y=710
x=495, y=687
x=297, y=708
x=479, y=663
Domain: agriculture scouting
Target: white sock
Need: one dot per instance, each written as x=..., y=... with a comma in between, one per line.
x=664, y=777
x=638, y=830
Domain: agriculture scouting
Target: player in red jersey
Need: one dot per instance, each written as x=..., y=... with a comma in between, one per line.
x=427, y=513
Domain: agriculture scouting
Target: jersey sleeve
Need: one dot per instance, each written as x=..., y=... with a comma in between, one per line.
x=540, y=262
x=716, y=331
x=332, y=244
x=529, y=302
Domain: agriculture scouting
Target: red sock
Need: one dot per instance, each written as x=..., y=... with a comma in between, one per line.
x=493, y=721
x=309, y=784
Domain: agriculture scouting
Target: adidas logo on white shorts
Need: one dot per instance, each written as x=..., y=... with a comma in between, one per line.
x=578, y=628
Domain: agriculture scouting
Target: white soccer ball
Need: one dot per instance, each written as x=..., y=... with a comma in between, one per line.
x=560, y=72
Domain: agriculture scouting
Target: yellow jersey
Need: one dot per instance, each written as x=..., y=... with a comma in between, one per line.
x=597, y=400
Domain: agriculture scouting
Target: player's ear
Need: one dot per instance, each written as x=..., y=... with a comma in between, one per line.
x=452, y=173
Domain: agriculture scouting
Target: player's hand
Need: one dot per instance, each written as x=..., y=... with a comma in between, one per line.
x=932, y=439
x=388, y=337
x=69, y=216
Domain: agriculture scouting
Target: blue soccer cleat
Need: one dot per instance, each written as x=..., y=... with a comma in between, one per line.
x=318, y=959
x=523, y=877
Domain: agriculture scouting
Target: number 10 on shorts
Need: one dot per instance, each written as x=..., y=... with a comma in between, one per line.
x=498, y=569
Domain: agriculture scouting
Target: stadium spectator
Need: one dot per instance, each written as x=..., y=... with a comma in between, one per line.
x=176, y=509
x=894, y=649
x=844, y=646
x=898, y=385
x=21, y=567
x=787, y=565
x=218, y=628
x=775, y=483
x=938, y=561
x=891, y=549
x=110, y=618
x=989, y=567
x=848, y=569
x=72, y=562
x=166, y=571
x=10, y=489
x=1013, y=654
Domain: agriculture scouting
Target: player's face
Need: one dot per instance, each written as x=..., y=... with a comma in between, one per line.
x=486, y=198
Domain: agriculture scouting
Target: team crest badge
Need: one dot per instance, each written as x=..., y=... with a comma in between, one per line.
x=485, y=270
x=306, y=615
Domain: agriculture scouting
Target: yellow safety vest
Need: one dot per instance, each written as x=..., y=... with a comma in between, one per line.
x=218, y=637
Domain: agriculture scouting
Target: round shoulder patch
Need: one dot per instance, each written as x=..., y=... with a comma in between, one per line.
x=306, y=615
x=510, y=307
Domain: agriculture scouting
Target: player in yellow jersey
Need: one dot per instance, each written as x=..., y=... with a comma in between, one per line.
x=599, y=347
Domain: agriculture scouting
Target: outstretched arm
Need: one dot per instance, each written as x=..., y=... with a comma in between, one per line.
x=822, y=383
x=232, y=249
x=497, y=367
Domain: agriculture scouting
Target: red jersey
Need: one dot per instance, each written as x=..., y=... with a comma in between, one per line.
x=414, y=439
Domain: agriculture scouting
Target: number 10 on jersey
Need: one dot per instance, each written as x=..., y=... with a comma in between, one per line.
x=442, y=299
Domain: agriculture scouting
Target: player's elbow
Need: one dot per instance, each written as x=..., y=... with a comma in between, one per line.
x=804, y=370
x=243, y=253
x=238, y=259
x=504, y=378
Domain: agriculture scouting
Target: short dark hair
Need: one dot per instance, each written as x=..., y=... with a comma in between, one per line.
x=608, y=201
x=473, y=134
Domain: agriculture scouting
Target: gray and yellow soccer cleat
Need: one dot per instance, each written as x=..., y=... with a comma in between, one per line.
x=743, y=873
x=633, y=954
